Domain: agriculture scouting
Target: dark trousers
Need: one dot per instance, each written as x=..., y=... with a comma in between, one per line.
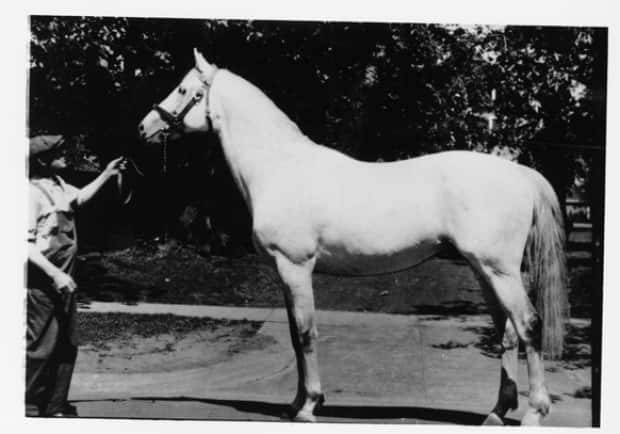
x=51, y=352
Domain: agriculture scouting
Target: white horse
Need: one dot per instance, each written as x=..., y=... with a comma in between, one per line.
x=314, y=208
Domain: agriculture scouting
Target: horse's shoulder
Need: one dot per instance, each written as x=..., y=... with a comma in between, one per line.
x=285, y=233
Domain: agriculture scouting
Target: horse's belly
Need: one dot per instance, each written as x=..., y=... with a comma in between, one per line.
x=339, y=259
x=387, y=236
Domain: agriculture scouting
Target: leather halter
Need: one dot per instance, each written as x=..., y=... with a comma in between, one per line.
x=174, y=120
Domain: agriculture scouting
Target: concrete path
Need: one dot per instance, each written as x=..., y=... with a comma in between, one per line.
x=375, y=368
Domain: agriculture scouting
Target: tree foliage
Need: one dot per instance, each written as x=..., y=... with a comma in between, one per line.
x=373, y=90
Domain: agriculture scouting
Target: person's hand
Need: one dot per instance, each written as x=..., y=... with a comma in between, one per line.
x=64, y=283
x=115, y=167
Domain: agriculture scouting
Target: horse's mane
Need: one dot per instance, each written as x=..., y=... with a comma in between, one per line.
x=244, y=101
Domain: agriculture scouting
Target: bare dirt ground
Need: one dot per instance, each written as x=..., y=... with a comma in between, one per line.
x=126, y=343
x=121, y=343
x=147, y=347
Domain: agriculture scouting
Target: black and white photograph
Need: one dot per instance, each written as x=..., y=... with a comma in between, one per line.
x=337, y=221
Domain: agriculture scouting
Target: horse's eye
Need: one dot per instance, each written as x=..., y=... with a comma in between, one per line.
x=198, y=95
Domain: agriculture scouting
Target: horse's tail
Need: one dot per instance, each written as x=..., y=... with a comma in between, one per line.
x=547, y=265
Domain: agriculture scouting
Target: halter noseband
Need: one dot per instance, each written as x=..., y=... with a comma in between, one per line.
x=175, y=120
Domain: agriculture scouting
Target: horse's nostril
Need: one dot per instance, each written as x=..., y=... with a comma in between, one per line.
x=141, y=127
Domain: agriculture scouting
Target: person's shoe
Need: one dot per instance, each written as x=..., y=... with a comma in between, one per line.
x=32, y=410
x=67, y=411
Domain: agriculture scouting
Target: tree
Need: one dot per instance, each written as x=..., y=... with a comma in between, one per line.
x=545, y=105
x=372, y=90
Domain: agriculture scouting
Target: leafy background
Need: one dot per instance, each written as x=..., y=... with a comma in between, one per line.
x=376, y=91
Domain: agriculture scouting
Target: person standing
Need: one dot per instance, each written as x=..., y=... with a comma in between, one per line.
x=51, y=344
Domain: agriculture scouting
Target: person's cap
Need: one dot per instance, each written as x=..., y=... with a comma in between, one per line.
x=45, y=143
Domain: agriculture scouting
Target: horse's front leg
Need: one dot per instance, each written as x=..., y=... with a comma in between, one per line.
x=300, y=307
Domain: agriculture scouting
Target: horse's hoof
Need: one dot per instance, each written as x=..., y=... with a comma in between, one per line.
x=531, y=418
x=304, y=417
x=493, y=419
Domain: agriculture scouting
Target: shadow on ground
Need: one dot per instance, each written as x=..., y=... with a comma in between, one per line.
x=353, y=413
x=577, y=348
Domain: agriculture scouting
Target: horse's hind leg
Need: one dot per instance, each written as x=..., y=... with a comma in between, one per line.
x=508, y=398
x=511, y=294
x=299, y=299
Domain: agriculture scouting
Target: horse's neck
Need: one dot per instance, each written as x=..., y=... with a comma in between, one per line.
x=257, y=138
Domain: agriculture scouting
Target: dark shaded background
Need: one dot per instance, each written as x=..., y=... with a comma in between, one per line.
x=376, y=91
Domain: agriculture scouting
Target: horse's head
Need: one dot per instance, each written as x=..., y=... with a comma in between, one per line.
x=185, y=109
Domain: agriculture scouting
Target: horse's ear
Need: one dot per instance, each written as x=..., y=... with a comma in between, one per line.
x=201, y=63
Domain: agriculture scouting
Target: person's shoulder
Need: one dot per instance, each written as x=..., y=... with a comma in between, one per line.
x=36, y=185
x=36, y=194
x=46, y=188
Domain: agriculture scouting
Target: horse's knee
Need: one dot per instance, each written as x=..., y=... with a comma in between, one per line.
x=308, y=339
x=306, y=329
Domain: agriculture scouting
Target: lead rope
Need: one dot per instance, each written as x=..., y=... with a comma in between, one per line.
x=120, y=180
x=164, y=175
x=165, y=155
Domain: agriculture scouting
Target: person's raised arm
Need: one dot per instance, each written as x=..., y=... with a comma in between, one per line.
x=112, y=169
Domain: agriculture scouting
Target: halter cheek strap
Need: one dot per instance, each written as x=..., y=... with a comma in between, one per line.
x=175, y=120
